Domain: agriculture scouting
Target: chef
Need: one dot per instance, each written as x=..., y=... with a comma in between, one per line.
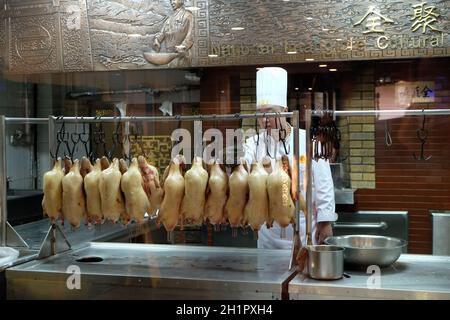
x=274, y=140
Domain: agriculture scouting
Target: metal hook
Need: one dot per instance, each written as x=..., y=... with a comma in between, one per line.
x=387, y=134
x=85, y=139
x=266, y=121
x=257, y=137
x=99, y=138
x=74, y=137
x=63, y=138
x=239, y=117
x=115, y=140
x=58, y=143
x=422, y=134
x=281, y=137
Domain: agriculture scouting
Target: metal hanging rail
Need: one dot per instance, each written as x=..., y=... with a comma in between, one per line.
x=237, y=116
x=52, y=120
x=209, y=117
x=400, y=112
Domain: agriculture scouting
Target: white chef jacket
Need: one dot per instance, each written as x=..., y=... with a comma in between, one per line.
x=322, y=188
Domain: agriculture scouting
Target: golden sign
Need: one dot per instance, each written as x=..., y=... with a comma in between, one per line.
x=424, y=17
x=374, y=20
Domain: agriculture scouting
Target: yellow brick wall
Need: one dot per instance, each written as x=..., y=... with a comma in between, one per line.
x=248, y=98
x=358, y=133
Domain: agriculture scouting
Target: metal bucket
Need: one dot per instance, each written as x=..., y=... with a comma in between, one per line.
x=325, y=262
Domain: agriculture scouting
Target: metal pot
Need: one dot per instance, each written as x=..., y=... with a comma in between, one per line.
x=325, y=262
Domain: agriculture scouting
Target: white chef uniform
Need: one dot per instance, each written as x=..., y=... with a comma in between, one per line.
x=272, y=90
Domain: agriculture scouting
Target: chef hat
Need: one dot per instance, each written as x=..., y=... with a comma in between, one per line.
x=271, y=87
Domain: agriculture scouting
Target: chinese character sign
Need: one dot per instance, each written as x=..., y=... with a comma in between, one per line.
x=424, y=17
x=374, y=20
x=415, y=92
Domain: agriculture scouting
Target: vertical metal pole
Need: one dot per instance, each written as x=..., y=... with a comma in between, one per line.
x=296, y=169
x=3, y=205
x=296, y=242
x=51, y=137
x=308, y=177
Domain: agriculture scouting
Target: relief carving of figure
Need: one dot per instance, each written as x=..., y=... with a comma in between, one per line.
x=176, y=35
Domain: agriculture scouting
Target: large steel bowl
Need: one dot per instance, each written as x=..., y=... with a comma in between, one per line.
x=366, y=250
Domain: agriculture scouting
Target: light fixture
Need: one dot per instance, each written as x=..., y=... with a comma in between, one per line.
x=309, y=18
x=322, y=65
x=237, y=28
x=332, y=70
x=309, y=59
x=193, y=8
x=291, y=52
x=296, y=88
x=338, y=39
x=212, y=55
x=310, y=89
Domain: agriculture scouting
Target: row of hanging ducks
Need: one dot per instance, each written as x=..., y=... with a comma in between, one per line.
x=114, y=191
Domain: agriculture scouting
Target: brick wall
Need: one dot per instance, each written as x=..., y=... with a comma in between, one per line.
x=248, y=97
x=358, y=133
x=403, y=183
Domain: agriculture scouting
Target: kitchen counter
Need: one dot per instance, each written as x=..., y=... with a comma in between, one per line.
x=410, y=277
x=34, y=233
x=151, y=271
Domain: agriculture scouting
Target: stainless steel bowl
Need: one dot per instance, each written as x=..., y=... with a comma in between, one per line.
x=365, y=250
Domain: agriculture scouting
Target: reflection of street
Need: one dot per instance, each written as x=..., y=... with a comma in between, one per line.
x=176, y=34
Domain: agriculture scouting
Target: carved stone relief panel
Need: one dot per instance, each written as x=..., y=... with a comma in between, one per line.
x=76, y=43
x=275, y=31
x=33, y=44
x=3, y=45
x=123, y=33
x=47, y=36
x=86, y=35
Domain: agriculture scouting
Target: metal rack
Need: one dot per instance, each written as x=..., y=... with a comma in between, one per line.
x=55, y=240
x=54, y=243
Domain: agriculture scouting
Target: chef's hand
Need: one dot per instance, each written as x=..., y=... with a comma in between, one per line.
x=323, y=231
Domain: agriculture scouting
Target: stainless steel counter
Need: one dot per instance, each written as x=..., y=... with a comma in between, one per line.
x=34, y=233
x=143, y=271
x=411, y=277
